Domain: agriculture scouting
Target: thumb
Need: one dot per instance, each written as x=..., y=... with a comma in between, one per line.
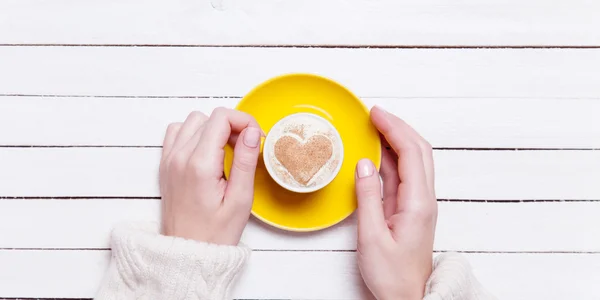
x=371, y=220
x=240, y=187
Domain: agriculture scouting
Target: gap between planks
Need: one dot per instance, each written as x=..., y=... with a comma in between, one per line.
x=507, y=201
x=434, y=148
x=325, y=251
x=483, y=47
x=239, y=97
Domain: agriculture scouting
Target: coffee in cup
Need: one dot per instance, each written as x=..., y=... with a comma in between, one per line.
x=303, y=152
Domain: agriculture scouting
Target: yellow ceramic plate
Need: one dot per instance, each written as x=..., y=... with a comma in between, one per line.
x=294, y=93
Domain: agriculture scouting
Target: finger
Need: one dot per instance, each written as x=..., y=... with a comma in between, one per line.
x=233, y=139
x=389, y=175
x=371, y=221
x=169, y=140
x=219, y=127
x=188, y=129
x=170, y=135
x=188, y=149
x=402, y=138
x=427, y=154
x=427, y=151
x=240, y=187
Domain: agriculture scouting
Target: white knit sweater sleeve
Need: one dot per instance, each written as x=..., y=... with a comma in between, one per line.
x=453, y=279
x=148, y=266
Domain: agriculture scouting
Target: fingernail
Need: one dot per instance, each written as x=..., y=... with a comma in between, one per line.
x=252, y=137
x=382, y=109
x=364, y=168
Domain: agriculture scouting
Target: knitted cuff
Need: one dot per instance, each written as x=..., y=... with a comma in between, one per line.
x=452, y=279
x=174, y=268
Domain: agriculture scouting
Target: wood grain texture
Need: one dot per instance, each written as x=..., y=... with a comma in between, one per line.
x=307, y=275
x=272, y=22
x=460, y=174
x=174, y=71
x=454, y=123
x=458, y=98
x=462, y=226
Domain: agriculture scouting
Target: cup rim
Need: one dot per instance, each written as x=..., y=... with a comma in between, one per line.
x=314, y=188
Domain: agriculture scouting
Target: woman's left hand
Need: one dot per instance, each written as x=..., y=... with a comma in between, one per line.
x=395, y=238
x=197, y=202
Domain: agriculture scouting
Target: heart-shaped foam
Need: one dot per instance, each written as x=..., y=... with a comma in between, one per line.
x=303, y=160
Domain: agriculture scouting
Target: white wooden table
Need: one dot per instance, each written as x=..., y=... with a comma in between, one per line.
x=507, y=91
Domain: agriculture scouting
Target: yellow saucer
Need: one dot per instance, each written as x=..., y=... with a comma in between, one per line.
x=294, y=93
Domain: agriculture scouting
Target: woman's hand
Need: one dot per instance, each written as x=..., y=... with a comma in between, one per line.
x=395, y=238
x=197, y=202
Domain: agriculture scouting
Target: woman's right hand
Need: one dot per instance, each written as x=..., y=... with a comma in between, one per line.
x=395, y=238
x=198, y=203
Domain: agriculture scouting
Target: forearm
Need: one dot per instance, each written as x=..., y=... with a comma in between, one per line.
x=147, y=265
x=453, y=279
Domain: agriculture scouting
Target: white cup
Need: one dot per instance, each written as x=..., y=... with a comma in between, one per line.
x=303, y=126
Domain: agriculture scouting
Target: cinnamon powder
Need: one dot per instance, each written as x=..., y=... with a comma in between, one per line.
x=303, y=161
x=298, y=130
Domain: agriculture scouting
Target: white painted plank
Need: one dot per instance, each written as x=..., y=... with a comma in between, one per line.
x=456, y=123
x=307, y=275
x=462, y=226
x=334, y=22
x=460, y=174
x=137, y=71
